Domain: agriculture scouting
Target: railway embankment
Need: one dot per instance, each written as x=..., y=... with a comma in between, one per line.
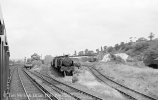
x=142, y=79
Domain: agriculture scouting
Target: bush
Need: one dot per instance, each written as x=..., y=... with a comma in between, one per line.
x=119, y=60
x=141, y=46
x=137, y=49
x=150, y=55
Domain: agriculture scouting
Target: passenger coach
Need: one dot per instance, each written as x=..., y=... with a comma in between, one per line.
x=4, y=58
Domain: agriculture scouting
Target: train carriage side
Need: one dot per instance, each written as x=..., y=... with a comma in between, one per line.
x=4, y=58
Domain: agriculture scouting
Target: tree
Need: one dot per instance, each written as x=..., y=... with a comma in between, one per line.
x=151, y=36
x=86, y=51
x=35, y=56
x=141, y=39
x=105, y=47
x=97, y=50
x=101, y=49
x=122, y=45
x=128, y=46
x=75, y=53
x=29, y=60
x=116, y=47
x=80, y=53
x=131, y=39
x=35, y=60
x=141, y=46
x=90, y=53
x=110, y=49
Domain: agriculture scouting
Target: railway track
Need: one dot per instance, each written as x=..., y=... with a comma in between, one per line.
x=7, y=94
x=17, y=91
x=10, y=77
x=62, y=87
x=23, y=88
x=132, y=94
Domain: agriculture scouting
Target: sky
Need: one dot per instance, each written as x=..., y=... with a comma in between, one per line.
x=54, y=27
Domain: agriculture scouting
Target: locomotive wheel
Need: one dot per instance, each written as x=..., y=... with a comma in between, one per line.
x=58, y=68
x=67, y=73
x=64, y=73
x=71, y=73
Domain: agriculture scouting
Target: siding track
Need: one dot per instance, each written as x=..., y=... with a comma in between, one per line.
x=132, y=94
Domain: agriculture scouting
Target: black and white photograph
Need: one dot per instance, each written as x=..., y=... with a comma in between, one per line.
x=79, y=49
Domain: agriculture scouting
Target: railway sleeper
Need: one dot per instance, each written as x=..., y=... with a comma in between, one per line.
x=76, y=89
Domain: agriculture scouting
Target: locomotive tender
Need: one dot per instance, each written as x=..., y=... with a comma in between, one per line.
x=63, y=64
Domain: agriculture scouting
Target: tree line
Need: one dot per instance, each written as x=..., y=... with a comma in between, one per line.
x=138, y=48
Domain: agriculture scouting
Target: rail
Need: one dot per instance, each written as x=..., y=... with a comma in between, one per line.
x=121, y=88
x=49, y=95
x=45, y=77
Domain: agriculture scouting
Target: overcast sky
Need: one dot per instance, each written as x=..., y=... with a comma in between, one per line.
x=62, y=26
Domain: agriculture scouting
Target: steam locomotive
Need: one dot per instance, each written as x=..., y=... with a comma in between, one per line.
x=64, y=65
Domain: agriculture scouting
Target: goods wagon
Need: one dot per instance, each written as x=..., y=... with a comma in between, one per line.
x=28, y=65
